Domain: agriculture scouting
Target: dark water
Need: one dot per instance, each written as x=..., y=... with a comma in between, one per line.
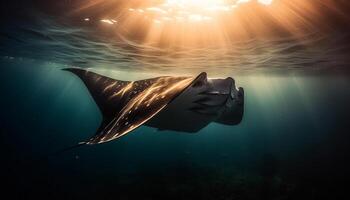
x=293, y=142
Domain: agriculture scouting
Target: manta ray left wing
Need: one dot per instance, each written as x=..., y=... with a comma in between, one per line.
x=143, y=107
x=127, y=105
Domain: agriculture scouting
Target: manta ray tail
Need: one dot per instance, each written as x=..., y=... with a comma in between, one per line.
x=67, y=149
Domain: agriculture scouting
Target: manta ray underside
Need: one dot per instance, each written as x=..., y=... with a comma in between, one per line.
x=168, y=103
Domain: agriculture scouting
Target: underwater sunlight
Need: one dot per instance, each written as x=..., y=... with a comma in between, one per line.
x=175, y=99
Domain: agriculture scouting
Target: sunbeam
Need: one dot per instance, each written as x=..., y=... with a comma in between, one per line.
x=170, y=23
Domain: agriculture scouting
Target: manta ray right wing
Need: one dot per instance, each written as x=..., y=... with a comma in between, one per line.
x=109, y=94
x=127, y=105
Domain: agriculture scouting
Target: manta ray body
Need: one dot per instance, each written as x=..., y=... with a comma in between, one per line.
x=185, y=104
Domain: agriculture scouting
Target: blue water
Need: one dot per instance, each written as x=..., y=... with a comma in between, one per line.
x=293, y=142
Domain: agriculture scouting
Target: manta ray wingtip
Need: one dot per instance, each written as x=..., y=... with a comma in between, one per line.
x=203, y=74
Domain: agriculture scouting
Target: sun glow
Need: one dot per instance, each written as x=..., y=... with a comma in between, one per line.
x=192, y=10
x=186, y=22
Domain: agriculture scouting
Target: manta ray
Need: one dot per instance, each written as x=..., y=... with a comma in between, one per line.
x=184, y=104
